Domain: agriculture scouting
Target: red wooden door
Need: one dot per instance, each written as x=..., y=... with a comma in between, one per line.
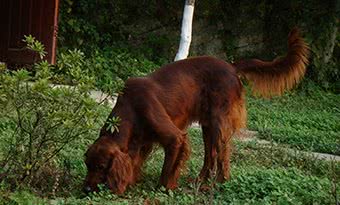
x=24, y=17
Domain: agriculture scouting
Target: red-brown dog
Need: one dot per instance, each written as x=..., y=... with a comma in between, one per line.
x=159, y=108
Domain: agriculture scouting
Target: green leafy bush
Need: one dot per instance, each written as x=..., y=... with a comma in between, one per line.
x=39, y=120
x=35, y=45
x=71, y=67
x=109, y=68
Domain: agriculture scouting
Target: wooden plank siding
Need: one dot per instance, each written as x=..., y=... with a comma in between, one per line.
x=23, y=17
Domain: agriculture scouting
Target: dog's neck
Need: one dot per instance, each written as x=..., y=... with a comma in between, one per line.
x=121, y=136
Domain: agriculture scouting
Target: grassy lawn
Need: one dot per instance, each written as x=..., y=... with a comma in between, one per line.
x=306, y=120
x=260, y=175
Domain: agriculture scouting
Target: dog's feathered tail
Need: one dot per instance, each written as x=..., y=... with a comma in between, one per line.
x=273, y=78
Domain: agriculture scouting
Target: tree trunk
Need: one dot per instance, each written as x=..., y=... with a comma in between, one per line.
x=329, y=48
x=184, y=45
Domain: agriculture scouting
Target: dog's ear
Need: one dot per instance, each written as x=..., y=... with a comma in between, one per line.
x=120, y=171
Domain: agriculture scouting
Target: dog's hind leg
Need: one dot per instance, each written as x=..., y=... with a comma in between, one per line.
x=223, y=124
x=224, y=154
x=217, y=143
x=209, y=155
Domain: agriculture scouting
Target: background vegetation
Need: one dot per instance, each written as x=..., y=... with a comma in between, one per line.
x=229, y=29
x=45, y=130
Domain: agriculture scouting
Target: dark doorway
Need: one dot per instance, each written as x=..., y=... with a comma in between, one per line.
x=23, y=17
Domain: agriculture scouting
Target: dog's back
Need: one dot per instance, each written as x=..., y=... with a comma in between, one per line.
x=186, y=88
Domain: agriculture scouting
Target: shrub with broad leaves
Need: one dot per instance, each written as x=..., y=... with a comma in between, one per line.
x=39, y=119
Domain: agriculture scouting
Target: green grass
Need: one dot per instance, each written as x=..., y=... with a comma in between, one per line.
x=260, y=175
x=306, y=120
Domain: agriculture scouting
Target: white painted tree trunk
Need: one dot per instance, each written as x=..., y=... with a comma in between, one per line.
x=184, y=45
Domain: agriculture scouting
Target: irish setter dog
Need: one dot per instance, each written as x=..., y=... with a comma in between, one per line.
x=159, y=108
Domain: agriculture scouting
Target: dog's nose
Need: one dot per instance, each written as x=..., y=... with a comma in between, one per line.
x=87, y=189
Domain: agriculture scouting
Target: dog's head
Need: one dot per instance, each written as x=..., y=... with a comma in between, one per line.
x=107, y=165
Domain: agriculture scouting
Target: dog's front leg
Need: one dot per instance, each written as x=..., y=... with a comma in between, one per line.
x=168, y=177
x=168, y=135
